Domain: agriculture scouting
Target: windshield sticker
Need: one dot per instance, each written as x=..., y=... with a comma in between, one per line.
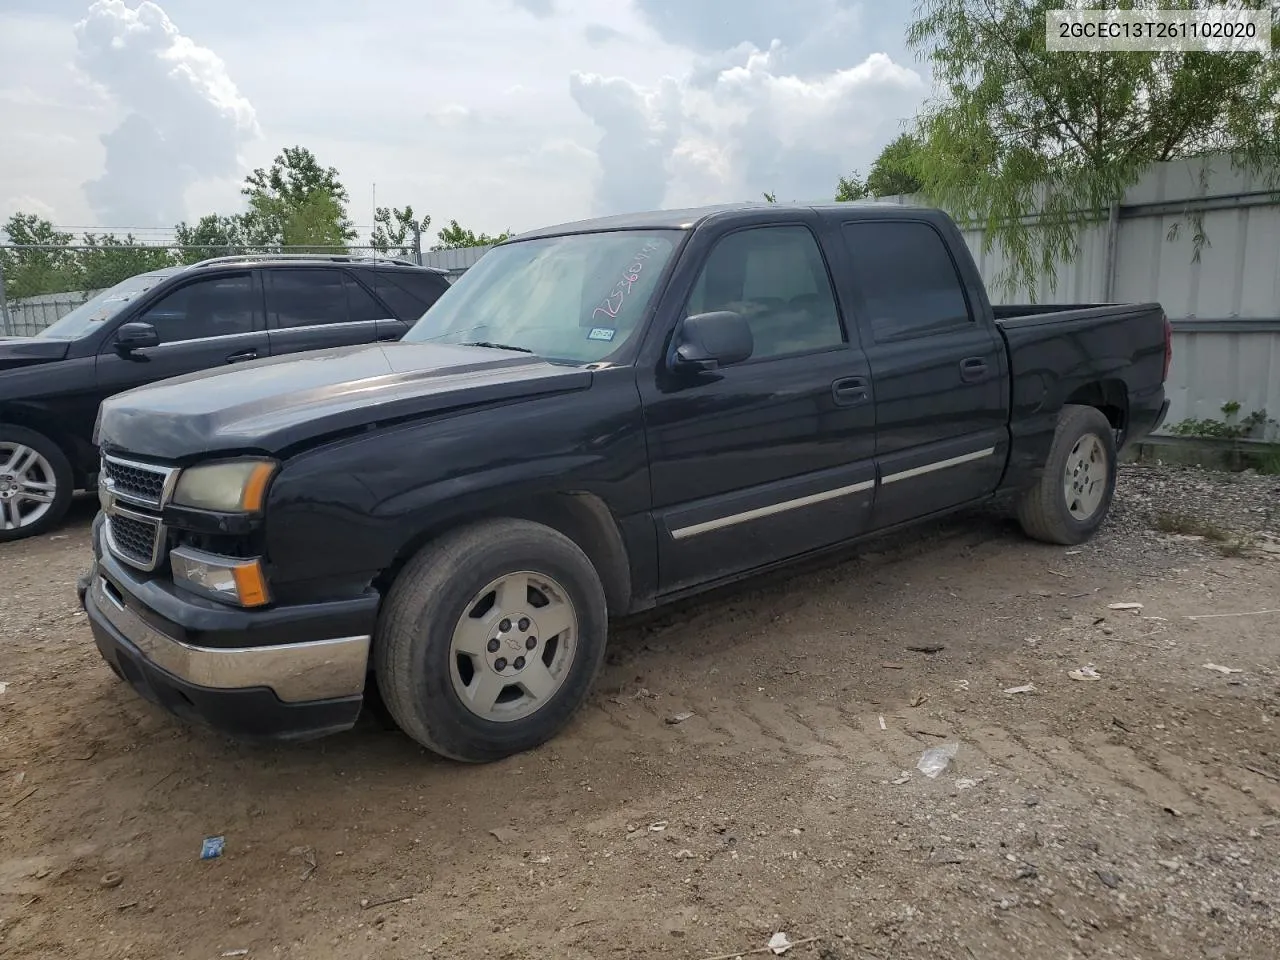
x=601, y=333
x=611, y=306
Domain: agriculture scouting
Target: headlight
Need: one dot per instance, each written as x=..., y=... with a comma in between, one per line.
x=228, y=579
x=238, y=486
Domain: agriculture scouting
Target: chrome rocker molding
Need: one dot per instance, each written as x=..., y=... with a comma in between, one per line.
x=297, y=673
x=720, y=523
x=708, y=525
x=940, y=465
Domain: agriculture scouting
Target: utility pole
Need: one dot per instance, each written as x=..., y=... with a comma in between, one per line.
x=417, y=242
x=6, y=324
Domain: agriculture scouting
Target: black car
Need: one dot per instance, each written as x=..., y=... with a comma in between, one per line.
x=167, y=323
x=596, y=419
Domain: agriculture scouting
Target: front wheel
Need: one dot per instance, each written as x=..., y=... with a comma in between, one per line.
x=36, y=483
x=489, y=640
x=1074, y=493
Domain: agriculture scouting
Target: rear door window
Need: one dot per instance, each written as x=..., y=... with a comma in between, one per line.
x=407, y=293
x=361, y=307
x=906, y=277
x=306, y=297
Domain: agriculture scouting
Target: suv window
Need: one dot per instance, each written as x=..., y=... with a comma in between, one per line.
x=906, y=277
x=775, y=278
x=408, y=294
x=304, y=297
x=360, y=304
x=214, y=307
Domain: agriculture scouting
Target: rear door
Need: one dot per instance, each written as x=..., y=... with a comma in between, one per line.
x=208, y=321
x=773, y=457
x=940, y=371
x=311, y=308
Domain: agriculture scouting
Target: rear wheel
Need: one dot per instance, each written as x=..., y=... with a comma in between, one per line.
x=1074, y=493
x=36, y=483
x=490, y=638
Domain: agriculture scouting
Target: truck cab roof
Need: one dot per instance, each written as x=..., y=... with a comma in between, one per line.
x=690, y=218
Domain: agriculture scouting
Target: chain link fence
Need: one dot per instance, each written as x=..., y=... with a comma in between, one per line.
x=40, y=284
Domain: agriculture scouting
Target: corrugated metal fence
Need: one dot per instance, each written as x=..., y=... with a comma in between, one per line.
x=1224, y=306
x=29, y=315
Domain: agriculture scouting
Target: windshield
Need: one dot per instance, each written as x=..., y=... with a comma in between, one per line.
x=577, y=298
x=91, y=314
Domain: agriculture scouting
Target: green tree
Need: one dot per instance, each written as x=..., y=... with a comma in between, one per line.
x=453, y=236
x=852, y=187
x=1017, y=129
x=769, y=197
x=42, y=268
x=297, y=203
x=213, y=235
x=108, y=259
x=395, y=230
x=894, y=171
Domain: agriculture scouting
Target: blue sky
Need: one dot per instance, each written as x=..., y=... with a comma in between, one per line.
x=499, y=113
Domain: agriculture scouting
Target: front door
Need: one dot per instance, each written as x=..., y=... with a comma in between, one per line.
x=942, y=383
x=772, y=457
x=207, y=322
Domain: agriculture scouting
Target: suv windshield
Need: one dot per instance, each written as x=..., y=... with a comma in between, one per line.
x=93, y=312
x=577, y=298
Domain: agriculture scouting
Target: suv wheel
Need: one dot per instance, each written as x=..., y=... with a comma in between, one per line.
x=490, y=638
x=36, y=484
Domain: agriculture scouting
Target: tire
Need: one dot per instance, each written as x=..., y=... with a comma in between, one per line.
x=437, y=672
x=31, y=465
x=1071, y=499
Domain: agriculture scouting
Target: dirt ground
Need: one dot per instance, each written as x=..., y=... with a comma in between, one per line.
x=1133, y=816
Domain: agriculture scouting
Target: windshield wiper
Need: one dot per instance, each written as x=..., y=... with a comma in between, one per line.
x=496, y=346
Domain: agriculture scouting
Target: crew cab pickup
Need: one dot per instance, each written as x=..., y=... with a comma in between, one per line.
x=597, y=418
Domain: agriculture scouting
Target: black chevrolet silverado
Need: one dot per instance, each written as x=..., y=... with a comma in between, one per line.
x=596, y=419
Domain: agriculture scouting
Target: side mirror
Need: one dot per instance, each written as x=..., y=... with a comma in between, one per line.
x=708, y=341
x=136, y=336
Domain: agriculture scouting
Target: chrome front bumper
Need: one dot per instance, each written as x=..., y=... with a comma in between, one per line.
x=295, y=672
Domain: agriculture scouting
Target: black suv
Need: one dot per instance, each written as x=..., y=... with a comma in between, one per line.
x=167, y=323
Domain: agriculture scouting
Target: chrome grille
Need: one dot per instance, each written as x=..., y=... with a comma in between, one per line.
x=144, y=484
x=136, y=539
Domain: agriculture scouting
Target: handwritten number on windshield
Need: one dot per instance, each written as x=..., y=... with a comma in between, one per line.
x=611, y=306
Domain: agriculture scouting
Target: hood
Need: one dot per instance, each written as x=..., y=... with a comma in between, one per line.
x=25, y=351
x=274, y=404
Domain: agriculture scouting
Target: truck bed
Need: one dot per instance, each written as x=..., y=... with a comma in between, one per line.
x=1111, y=355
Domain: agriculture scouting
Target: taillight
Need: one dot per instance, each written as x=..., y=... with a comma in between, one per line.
x=1168, y=347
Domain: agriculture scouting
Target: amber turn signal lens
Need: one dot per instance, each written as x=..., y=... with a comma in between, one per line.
x=255, y=488
x=251, y=585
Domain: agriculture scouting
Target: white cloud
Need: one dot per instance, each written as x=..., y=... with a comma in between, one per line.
x=463, y=110
x=745, y=129
x=639, y=129
x=184, y=118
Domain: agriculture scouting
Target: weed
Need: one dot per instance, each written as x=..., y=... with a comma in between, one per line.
x=1269, y=461
x=1235, y=548
x=1189, y=526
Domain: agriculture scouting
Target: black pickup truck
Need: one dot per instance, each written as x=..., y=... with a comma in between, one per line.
x=597, y=418
x=170, y=322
